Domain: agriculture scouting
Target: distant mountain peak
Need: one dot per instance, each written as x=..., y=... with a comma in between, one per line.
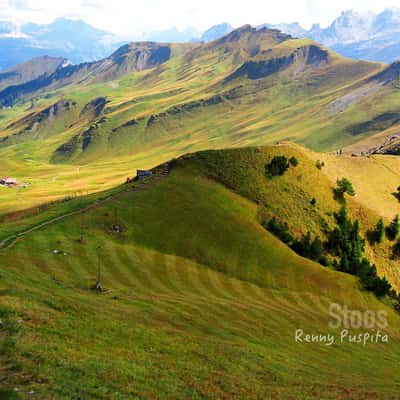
x=216, y=32
x=73, y=39
x=293, y=28
x=361, y=35
x=391, y=10
x=172, y=35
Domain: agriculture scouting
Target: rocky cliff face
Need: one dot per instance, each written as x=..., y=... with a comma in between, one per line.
x=389, y=74
x=94, y=108
x=302, y=57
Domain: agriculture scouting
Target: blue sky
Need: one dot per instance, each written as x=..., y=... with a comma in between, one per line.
x=129, y=18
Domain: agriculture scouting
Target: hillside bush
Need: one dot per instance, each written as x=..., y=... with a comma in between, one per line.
x=397, y=194
x=305, y=247
x=278, y=166
x=319, y=164
x=308, y=247
x=279, y=229
x=294, y=161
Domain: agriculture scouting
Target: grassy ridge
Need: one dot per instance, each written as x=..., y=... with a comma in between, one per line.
x=202, y=301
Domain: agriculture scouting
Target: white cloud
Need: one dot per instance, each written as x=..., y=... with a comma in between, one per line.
x=133, y=17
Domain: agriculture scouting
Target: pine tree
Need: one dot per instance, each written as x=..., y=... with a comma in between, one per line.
x=379, y=231
x=316, y=249
x=394, y=228
x=307, y=244
x=344, y=263
x=345, y=186
x=356, y=241
x=341, y=217
x=396, y=249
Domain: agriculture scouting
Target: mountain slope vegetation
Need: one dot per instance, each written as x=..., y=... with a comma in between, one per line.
x=193, y=283
x=250, y=87
x=174, y=286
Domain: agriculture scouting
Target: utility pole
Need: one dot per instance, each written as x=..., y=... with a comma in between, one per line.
x=82, y=239
x=97, y=285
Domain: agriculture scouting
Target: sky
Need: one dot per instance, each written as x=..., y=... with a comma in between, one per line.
x=132, y=18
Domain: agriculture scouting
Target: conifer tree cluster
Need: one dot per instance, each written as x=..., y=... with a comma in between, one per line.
x=346, y=243
x=307, y=246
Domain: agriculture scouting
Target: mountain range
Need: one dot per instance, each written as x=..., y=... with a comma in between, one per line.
x=74, y=40
x=78, y=42
x=246, y=68
x=360, y=35
x=270, y=161
x=368, y=36
x=188, y=35
x=148, y=102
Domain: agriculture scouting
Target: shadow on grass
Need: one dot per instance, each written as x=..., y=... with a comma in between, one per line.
x=8, y=394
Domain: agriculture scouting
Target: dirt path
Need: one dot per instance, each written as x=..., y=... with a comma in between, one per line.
x=394, y=172
x=10, y=241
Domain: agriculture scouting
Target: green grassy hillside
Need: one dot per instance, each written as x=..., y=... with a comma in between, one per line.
x=201, y=301
x=251, y=87
x=289, y=197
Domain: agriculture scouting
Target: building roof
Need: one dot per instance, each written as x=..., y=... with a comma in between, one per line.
x=8, y=180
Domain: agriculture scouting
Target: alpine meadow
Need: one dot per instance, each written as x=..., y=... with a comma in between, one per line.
x=202, y=219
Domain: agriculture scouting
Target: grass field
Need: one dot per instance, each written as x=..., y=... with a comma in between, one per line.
x=202, y=302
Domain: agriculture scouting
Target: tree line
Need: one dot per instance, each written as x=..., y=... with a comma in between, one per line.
x=344, y=247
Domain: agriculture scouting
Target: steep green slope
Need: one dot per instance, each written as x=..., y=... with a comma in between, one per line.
x=304, y=197
x=202, y=302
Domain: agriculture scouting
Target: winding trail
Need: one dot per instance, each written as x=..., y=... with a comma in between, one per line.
x=10, y=241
